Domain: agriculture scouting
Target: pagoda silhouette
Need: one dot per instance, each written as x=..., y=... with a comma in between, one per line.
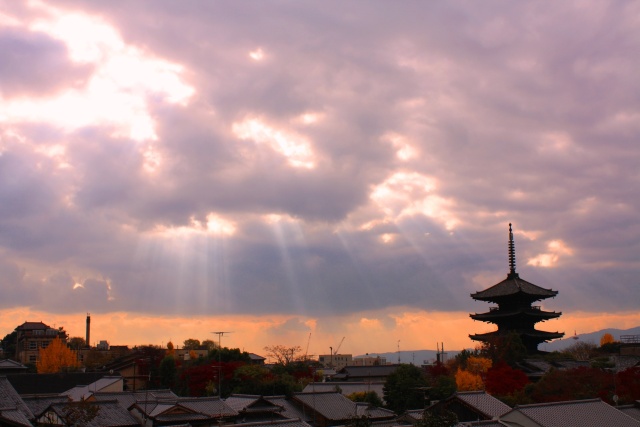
x=514, y=312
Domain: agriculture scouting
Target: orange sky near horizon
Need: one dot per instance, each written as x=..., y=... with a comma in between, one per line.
x=364, y=332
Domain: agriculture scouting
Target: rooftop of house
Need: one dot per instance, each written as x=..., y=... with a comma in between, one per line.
x=577, y=413
x=346, y=387
x=632, y=410
x=10, y=401
x=334, y=406
x=32, y=384
x=32, y=326
x=185, y=408
x=478, y=401
x=252, y=403
x=296, y=422
x=126, y=399
x=109, y=414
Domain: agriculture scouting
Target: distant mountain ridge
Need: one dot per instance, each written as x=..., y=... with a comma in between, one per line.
x=419, y=357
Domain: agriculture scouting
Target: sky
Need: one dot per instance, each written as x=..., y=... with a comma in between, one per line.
x=293, y=173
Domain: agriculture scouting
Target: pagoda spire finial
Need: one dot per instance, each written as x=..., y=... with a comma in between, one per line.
x=512, y=254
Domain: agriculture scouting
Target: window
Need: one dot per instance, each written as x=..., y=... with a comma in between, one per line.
x=44, y=344
x=32, y=359
x=33, y=345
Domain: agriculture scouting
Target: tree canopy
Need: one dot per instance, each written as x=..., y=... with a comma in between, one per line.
x=56, y=357
x=405, y=389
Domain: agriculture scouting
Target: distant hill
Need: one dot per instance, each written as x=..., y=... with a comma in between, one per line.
x=592, y=337
x=419, y=357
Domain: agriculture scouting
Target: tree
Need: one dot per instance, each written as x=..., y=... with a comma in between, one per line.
x=370, y=397
x=9, y=344
x=404, y=389
x=468, y=381
x=506, y=348
x=209, y=344
x=581, y=350
x=168, y=372
x=283, y=355
x=441, y=419
x=191, y=344
x=503, y=380
x=79, y=413
x=606, y=339
x=76, y=343
x=56, y=357
x=170, y=349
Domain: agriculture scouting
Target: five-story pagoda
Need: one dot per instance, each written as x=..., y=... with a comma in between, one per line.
x=514, y=312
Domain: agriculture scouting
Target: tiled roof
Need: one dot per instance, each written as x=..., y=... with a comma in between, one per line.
x=11, y=364
x=483, y=402
x=11, y=400
x=368, y=371
x=38, y=404
x=296, y=422
x=13, y=417
x=127, y=398
x=109, y=414
x=334, y=406
x=512, y=286
x=487, y=423
x=579, y=413
x=204, y=407
x=51, y=383
x=373, y=412
x=290, y=410
x=32, y=326
x=78, y=393
x=347, y=387
x=632, y=410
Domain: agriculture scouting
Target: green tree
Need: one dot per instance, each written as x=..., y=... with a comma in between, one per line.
x=404, y=388
x=209, y=344
x=76, y=343
x=168, y=372
x=9, y=344
x=191, y=344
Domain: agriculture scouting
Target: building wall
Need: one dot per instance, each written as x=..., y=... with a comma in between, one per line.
x=336, y=361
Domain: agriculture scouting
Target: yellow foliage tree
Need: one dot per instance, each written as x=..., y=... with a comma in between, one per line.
x=170, y=350
x=56, y=357
x=478, y=365
x=606, y=339
x=468, y=381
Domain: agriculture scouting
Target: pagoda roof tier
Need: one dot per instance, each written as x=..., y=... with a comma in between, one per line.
x=533, y=312
x=512, y=286
x=531, y=334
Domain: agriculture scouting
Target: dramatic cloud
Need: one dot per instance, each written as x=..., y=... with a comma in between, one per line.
x=333, y=168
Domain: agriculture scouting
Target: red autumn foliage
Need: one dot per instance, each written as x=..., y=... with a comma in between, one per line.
x=574, y=384
x=628, y=385
x=503, y=380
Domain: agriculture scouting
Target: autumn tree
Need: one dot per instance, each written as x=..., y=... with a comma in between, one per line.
x=468, y=381
x=56, y=357
x=370, y=397
x=503, y=380
x=283, y=355
x=606, y=339
x=171, y=351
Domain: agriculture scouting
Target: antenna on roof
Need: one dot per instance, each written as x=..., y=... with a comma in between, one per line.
x=512, y=254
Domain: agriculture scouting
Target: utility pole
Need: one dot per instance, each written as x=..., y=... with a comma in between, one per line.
x=220, y=334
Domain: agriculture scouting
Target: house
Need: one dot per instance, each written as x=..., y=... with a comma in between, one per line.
x=13, y=411
x=254, y=408
x=88, y=414
x=33, y=336
x=336, y=361
x=196, y=411
x=8, y=366
x=364, y=373
x=107, y=384
x=347, y=387
x=332, y=409
x=632, y=410
x=471, y=406
x=51, y=384
x=577, y=413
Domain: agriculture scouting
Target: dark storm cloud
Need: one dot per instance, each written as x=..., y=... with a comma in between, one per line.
x=520, y=113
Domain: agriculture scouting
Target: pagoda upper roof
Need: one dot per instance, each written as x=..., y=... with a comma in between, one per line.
x=534, y=312
x=513, y=285
x=533, y=333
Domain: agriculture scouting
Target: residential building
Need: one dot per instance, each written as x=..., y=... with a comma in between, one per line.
x=31, y=337
x=336, y=361
x=471, y=406
x=577, y=413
